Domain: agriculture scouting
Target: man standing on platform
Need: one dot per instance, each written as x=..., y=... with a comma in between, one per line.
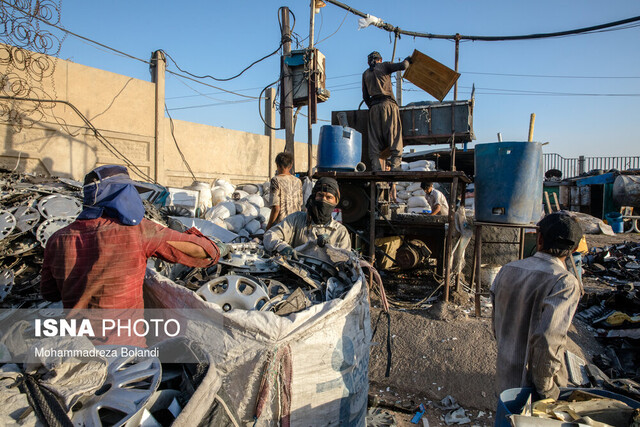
x=385, y=127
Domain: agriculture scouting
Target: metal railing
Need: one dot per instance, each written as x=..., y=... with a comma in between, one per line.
x=571, y=167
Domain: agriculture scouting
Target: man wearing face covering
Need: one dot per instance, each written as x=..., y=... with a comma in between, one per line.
x=99, y=260
x=312, y=229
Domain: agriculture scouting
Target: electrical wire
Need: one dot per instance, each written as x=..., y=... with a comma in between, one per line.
x=338, y=29
x=207, y=76
x=108, y=145
x=260, y=105
x=397, y=30
x=74, y=34
x=184, y=160
x=549, y=76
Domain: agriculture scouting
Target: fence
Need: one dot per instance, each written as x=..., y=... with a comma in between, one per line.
x=571, y=167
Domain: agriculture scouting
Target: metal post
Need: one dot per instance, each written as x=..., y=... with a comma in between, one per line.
x=311, y=93
x=158, y=67
x=499, y=137
x=399, y=88
x=455, y=88
x=449, y=238
x=372, y=221
x=478, y=267
x=287, y=86
x=269, y=126
x=580, y=165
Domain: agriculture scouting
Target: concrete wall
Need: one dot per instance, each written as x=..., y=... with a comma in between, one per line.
x=50, y=138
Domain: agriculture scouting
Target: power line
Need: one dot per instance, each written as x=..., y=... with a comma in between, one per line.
x=243, y=101
x=207, y=76
x=184, y=160
x=550, y=76
x=393, y=29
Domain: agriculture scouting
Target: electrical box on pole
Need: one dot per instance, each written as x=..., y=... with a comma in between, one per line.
x=299, y=65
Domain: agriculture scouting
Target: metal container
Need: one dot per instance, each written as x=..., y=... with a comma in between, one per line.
x=508, y=182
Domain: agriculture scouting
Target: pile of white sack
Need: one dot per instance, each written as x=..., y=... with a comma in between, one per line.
x=242, y=209
x=410, y=193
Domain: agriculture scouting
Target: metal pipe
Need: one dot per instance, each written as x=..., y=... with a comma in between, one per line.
x=455, y=87
x=311, y=88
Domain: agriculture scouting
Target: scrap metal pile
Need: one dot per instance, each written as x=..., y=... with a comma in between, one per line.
x=249, y=279
x=31, y=210
x=615, y=314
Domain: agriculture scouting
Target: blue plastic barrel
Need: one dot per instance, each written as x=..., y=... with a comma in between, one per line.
x=339, y=148
x=512, y=401
x=508, y=182
x=615, y=220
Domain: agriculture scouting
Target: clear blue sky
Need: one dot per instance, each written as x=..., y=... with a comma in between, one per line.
x=220, y=38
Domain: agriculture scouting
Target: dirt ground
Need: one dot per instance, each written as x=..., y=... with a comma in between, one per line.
x=446, y=350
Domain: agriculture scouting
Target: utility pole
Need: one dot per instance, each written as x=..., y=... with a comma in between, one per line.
x=158, y=67
x=270, y=125
x=311, y=88
x=287, y=86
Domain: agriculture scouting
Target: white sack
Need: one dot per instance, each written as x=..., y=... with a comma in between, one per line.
x=413, y=187
x=404, y=195
x=250, y=188
x=222, y=210
x=404, y=166
x=218, y=195
x=236, y=223
x=417, y=202
x=430, y=164
x=266, y=213
x=255, y=199
x=247, y=209
x=419, y=193
x=252, y=226
x=226, y=185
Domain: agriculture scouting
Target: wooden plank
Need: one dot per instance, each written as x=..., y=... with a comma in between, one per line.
x=431, y=76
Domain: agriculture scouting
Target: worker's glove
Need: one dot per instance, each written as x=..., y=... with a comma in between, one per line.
x=289, y=253
x=222, y=247
x=322, y=240
x=409, y=60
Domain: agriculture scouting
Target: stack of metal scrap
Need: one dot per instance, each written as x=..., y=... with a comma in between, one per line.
x=615, y=313
x=250, y=279
x=31, y=210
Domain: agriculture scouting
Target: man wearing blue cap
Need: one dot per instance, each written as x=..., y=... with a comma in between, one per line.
x=534, y=300
x=99, y=260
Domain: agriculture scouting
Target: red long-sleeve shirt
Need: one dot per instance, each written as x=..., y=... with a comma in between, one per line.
x=100, y=263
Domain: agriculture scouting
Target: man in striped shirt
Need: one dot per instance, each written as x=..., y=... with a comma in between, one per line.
x=534, y=301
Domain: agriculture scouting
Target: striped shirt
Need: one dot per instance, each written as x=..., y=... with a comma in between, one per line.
x=534, y=303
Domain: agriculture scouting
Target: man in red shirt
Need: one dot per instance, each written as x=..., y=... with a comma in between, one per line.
x=99, y=261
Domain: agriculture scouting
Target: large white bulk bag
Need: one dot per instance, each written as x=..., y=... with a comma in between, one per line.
x=318, y=357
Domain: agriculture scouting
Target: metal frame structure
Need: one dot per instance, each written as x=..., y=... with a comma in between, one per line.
x=456, y=178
